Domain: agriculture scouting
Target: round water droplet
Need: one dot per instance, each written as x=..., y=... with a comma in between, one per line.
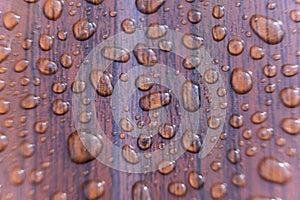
x=41, y=127
x=196, y=179
x=241, y=80
x=259, y=117
x=36, y=176
x=102, y=82
x=191, y=141
x=219, y=32
x=149, y=6
x=130, y=154
x=289, y=70
x=46, y=66
x=145, y=55
x=235, y=47
x=128, y=26
x=66, y=60
x=59, y=87
x=236, y=120
x=270, y=70
x=78, y=86
x=290, y=97
x=155, y=31
x=191, y=62
x=267, y=29
x=60, y=107
x=141, y=191
x=218, y=11
x=291, y=125
x=17, y=175
x=4, y=106
x=144, y=142
x=126, y=125
x=167, y=131
x=165, y=45
x=218, y=190
x=265, y=133
x=194, y=16
x=295, y=15
x=273, y=170
x=3, y=142
x=166, y=166
x=21, y=65
x=192, y=41
x=11, y=20
x=26, y=148
x=177, y=188
x=211, y=76
x=46, y=42
x=257, y=52
x=234, y=156
x=53, y=9
x=83, y=29
x=30, y=101
x=77, y=149
x=238, y=179
x=93, y=189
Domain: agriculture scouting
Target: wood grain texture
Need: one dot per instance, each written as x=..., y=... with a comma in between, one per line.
x=51, y=147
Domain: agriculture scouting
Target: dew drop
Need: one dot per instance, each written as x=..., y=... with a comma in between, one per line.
x=196, y=179
x=46, y=66
x=166, y=166
x=235, y=47
x=218, y=190
x=30, y=101
x=219, y=32
x=291, y=125
x=60, y=107
x=290, y=97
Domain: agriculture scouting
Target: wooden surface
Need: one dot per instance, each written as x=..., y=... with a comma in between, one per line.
x=51, y=148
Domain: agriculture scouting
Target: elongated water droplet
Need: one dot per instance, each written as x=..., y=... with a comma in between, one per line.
x=155, y=100
x=116, y=54
x=291, y=125
x=11, y=20
x=190, y=96
x=149, y=6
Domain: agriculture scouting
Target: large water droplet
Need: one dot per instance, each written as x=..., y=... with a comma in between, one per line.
x=83, y=29
x=155, y=100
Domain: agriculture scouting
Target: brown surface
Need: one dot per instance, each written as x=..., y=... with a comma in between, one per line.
x=64, y=175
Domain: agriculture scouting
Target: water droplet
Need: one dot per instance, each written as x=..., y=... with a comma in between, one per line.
x=165, y=45
x=155, y=31
x=46, y=66
x=128, y=26
x=166, y=166
x=53, y=9
x=4, y=52
x=95, y=2
x=59, y=87
x=273, y=170
x=219, y=32
x=41, y=127
x=218, y=190
x=196, y=179
x=236, y=120
x=191, y=62
x=191, y=96
x=191, y=141
x=144, y=82
x=83, y=29
x=26, y=148
x=194, y=16
x=259, y=197
x=46, y=42
x=289, y=70
x=257, y=52
x=218, y=11
x=36, y=176
x=66, y=60
x=291, y=125
x=235, y=47
x=241, y=80
x=238, y=179
x=211, y=76
x=267, y=29
x=145, y=55
x=149, y=6
x=144, y=141
x=93, y=189
x=259, y=117
x=270, y=70
x=126, y=125
x=3, y=142
x=234, y=156
x=141, y=191
x=290, y=97
x=102, y=82
x=295, y=15
x=130, y=154
x=60, y=107
x=21, y=65
x=62, y=35
x=4, y=106
x=78, y=86
x=166, y=130
x=30, y=101
x=17, y=175
x=59, y=196
x=116, y=54
x=177, y=188
x=265, y=133
x=155, y=100
x=192, y=41
x=11, y=20
x=77, y=142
